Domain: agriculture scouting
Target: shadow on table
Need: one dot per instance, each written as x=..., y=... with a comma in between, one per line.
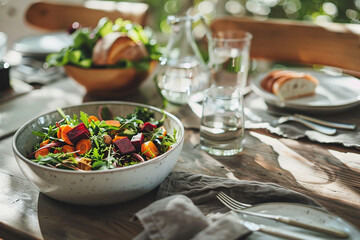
x=58, y=220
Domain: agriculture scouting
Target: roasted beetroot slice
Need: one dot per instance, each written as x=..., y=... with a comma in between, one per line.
x=148, y=127
x=137, y=140
x=105, y=113
x=124, y=146
x=77, y=133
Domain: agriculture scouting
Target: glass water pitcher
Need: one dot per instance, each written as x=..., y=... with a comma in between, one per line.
x=182, y=71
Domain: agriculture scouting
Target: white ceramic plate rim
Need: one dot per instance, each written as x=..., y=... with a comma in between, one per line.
x=99, y=103
x=352, y=100
x=31, y=44
x=282, y=208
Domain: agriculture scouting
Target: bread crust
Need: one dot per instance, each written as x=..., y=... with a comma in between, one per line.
x=277, y=78
x=282, y=80
x=273, y=76
x=117, y=46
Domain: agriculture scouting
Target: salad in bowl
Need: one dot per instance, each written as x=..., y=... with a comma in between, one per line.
x=99, y=153
x=89, y=142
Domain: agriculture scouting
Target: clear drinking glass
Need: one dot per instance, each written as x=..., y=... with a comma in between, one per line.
x=222, y=122
x=229, y=58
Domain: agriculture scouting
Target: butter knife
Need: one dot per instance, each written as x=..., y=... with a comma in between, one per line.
x=316, y=120
x=274, y=231
x=327, y=123
x=317, y=127
x=327, y=230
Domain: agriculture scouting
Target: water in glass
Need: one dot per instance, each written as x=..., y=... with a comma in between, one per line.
x=222, y=121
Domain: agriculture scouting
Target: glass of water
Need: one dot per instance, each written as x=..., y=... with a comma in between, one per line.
x=222, y=122
x=229, y=58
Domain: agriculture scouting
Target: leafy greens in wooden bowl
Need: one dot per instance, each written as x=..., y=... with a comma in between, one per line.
x=110, y=60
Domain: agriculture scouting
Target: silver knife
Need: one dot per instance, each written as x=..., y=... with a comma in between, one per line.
x=275, y=231
x=316, y=120
x=328, y=230
x=327, y=123
x=257, y=117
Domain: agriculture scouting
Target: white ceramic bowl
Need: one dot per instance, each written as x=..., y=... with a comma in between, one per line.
x=95, y=187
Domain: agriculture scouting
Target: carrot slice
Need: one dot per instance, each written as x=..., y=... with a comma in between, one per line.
x=113, y=123
x=67, y=148
x=118, y=137
x=43, y=143
x=83, y=146
x=64, y=130
x=149, y=149
x=94, y=118
x=163, y=129
x=41, y=152
x=59, y=132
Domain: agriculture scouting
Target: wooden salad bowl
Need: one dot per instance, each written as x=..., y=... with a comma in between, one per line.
x=109, y=83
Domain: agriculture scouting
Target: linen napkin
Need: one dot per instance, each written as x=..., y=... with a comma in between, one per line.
x=261, y=119
x=187, y=207
x=176, y=217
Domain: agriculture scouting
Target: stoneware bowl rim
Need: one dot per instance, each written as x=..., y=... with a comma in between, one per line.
x=99, y=103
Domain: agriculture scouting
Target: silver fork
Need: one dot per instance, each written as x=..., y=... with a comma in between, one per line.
x=314, y=126
x=239, y=207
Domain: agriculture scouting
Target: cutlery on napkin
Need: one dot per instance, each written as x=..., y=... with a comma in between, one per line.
x=316, y=120
x=254, y=116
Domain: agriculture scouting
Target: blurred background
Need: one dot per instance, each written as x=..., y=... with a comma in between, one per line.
x=344, y=11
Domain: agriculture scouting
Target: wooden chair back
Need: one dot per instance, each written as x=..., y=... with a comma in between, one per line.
x=332, y=44
x=55, y=16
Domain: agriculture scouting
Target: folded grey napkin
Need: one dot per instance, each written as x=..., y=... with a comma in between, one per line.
x=176, y=217
x=187, y=204
x=257, y=117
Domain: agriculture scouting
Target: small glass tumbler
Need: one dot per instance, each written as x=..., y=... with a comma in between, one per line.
x=229, y=58
x=222, y=123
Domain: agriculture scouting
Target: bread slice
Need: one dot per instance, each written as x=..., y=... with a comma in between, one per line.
x=268, y=82
x=290, y=84
x=117, y=46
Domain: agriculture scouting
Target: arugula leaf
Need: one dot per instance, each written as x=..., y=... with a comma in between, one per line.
x=39, y=134
x=84, y=118
x=60, y=160
x=168, y=141
x=105, y=113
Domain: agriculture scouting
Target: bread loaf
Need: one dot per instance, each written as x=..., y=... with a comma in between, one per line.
x=117, y=46
x=287, y=84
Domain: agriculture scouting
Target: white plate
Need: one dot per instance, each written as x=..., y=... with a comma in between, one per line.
x=42, y=44
x=301, y=213
x=333, y=94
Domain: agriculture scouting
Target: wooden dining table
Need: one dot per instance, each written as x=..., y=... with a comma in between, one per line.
x=327, y=173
